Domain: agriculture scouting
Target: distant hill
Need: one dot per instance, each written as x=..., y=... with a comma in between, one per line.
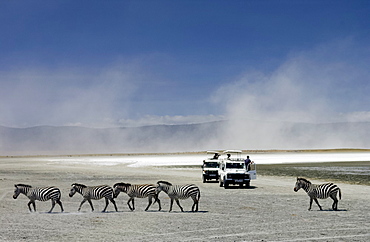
x=72, y=140
x=181, y=138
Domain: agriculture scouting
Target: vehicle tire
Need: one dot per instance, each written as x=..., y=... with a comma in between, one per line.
x=221, y=183
x=226, y=185
x=204, y=180
x=248, y=184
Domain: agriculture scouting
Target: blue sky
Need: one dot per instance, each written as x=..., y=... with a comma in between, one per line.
x=125, y=63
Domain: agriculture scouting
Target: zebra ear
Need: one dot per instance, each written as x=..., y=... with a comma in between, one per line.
x=15, y=185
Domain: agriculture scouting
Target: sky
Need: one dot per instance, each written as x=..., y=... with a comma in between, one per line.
x=132, y=63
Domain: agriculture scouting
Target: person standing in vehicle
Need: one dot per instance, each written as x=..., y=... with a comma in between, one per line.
x=247, y=163
x=215, y=157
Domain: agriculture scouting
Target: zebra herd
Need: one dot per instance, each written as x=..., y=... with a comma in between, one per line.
x=150, y=191
x=175, y=192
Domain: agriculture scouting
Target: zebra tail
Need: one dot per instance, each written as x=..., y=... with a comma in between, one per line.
x=340, y=194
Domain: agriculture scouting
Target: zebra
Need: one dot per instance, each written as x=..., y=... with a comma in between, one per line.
x=176, y=192
x=39, y=193
x=140, y=191
x=93, y=192
x=321, y=191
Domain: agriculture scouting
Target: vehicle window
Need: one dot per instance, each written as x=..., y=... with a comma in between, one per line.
x=211, y=164
x=235, y=165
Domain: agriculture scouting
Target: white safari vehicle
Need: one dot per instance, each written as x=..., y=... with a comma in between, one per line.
x=233, y=171
x=211, y=166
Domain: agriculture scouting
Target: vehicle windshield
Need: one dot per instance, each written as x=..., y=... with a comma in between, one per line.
x=235, y=165
x=211, y=164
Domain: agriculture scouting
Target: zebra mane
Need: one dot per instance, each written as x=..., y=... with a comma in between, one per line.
x=78, y=185
x=303, y=179
x=22, y=185
x=164, y=182
x=122, y=184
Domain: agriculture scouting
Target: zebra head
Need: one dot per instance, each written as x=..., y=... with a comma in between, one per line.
x=20, y=188
x=301, y=182
x=162, y=186
x=120, y=187
x=75, y=188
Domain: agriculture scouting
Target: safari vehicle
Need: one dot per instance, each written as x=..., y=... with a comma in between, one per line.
x=233, y=171
x=210, y=166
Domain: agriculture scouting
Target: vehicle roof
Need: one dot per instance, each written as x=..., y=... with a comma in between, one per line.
x=212, y=151
x=232, y=152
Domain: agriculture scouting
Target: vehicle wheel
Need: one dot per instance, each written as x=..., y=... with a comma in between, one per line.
x=226, y=185
x=204, y=180
x=221, y=184
x=248, y=184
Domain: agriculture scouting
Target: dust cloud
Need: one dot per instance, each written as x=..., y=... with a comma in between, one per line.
x=314, y=99
x=310, y=101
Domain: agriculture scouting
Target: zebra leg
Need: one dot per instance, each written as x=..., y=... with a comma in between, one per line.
x=91, y=205
x=83, y=201
x=171, y=205
x=29, y=205
x=106, y=205
x=311, y=200
x=52, y=206
x=192, y=207
x=34, y=205
x=128, y=203
x=335, y=203
x=178, y=203
x=114, y=204
x=150, y=203
x=156, y=199
x=133, y=203
x=195, y=204
x=60, y=204
x=317, y=202
x=159, y=204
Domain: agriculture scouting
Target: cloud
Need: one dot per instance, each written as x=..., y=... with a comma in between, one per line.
x=326, y=84
x=310, y=86
x=40, y=96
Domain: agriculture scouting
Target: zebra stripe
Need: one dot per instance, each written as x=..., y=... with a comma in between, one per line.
x=40, y=194
x=176, y=192
x=93, y=192
x=139, y=191
x=321, y=191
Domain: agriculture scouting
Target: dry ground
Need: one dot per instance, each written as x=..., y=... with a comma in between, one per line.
x=269, y=211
